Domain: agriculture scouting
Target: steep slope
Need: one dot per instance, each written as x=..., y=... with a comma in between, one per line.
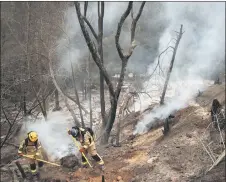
x=179, y=156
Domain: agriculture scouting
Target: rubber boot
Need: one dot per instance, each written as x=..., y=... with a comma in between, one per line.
x=36, y=176
x=84, y=165
x=102, y=167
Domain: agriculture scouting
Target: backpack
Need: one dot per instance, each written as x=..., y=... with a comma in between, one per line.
x=90, y=131
x=26, y=143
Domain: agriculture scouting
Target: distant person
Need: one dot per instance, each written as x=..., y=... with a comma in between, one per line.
x=31, y=146
x=86, y=137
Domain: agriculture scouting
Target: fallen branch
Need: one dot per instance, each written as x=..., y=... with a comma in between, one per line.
x=220, y=132
x=211, y=152
x=205, y=149
x=219, y=159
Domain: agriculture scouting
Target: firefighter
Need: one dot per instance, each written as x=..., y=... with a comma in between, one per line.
x=86, y=137
x=32, y=147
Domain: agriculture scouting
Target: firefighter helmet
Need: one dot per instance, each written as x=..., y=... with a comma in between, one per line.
x=33, y=136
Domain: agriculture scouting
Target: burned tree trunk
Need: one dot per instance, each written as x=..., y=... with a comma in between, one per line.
x=90, y=96
x=77, y=96
x=166, y=125
x=124, y=58
x=114, y=94
x=110, y=121
x=217, y=115
x=40, y=103
x=171, y=65
x=100, y=51
x=24, y=104
x=126, y=98
x=57, y=102
x=44, y=108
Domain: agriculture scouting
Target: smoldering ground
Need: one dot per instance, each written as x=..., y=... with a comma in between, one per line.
x=199, y=56
x=200, y=49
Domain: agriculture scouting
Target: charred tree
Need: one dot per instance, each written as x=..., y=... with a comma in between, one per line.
x=77, y=96
x=171, y=64
x=114, y=93
x=24, y=104
x=217, y=115
x=90, y=95
x=120, y=117
x=166, y=125
x=41, y=103
x=57, y=102
x=100, y=51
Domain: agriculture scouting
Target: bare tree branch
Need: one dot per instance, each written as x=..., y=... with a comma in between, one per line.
x=12, y=33
x=171, y=66
x=92, y=49
x=134, y=22
x=123, y=18
x=11, y=124
x=62, y=91
x=85, y=7
x=76, y=95
x=7, y=119
x=90, y=26
x=114, y=94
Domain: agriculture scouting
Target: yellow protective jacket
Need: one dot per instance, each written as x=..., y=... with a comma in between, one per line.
x=29, y=148
x=86, y=139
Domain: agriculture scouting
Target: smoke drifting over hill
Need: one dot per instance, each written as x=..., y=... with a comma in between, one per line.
x=200, y=52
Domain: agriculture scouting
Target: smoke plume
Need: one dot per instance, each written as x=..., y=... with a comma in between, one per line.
x=53, y=134
x=201, y=50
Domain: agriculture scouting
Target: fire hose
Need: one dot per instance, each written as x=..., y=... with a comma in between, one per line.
x=77, y=145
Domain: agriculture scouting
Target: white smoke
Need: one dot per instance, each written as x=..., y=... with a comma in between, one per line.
x=201, y=49
x=53, y=135
x=72, y=46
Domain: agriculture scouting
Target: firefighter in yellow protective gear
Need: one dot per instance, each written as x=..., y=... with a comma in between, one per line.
x=86, y=137
x=32, y=147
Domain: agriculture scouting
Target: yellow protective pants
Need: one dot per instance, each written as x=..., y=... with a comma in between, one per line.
x=32, y=163
x=91, y=150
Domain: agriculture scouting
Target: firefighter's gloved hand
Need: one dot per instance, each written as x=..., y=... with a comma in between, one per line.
x=82, y=150
x=36, y=155
x=69, y=132
x=20, y=154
